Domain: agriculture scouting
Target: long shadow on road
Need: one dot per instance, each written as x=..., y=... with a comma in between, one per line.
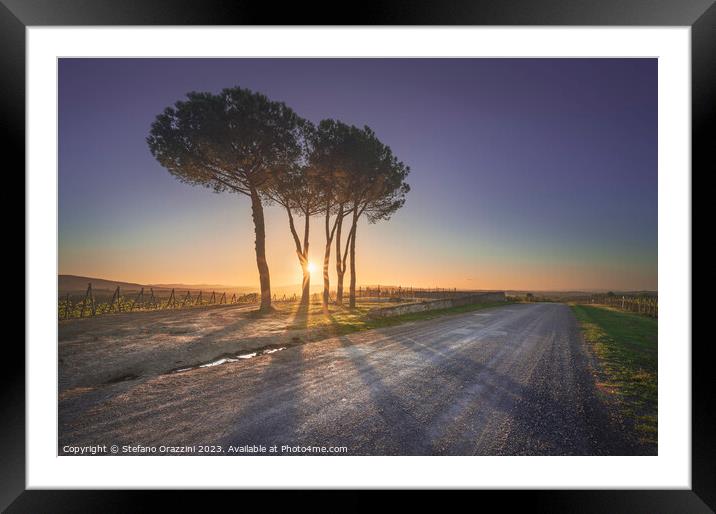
x=273, y=416
x=405, y=435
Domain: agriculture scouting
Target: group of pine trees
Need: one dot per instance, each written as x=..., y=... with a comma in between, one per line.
x=241, y=141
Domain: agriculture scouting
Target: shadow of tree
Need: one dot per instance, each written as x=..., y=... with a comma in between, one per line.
x=277, y=423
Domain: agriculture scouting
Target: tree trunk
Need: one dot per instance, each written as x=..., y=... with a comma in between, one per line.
x=306, y=292
x=352, y=298
x=340, y=270
x=306, y=288
x=257, y=213
x=302, y=254
x=330, y=232
x=326, y=277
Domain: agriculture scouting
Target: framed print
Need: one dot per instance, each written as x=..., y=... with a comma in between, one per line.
x=419, y=248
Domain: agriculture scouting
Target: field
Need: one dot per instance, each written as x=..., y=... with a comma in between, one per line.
x=97, y=351
x=625, y=345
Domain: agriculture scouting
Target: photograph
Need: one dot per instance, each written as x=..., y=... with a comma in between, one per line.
x=299, y=256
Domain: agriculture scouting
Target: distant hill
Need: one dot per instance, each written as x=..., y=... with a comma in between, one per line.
x=203, y=287
x=74, y=284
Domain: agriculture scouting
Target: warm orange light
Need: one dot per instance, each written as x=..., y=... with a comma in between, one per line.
x=311, y=267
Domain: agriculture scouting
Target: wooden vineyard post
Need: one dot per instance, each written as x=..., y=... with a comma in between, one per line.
x=139, y=298
x=88, y=296
x=198, y=299
x=152, y=300
x=111, y=302
x=223, y=298
x=172, y=299
x=233, y=298
x=212, y=300
x=93, y=306
x=187, y=298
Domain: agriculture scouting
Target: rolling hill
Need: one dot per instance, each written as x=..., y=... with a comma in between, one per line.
x=73, y=284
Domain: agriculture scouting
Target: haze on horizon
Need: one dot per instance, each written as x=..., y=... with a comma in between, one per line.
x=527, y=174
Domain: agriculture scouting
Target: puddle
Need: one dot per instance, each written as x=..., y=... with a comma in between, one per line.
x=224, y=360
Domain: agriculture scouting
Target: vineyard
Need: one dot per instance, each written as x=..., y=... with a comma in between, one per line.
x=145, y=299
x=641, y=304
x=96, y=303
x=398, y=292
x=93, y=303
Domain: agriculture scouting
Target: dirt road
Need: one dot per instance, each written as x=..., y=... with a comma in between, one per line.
x=512, y=380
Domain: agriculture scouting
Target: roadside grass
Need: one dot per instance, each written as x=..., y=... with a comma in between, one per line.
x=340, y=321
x=626, y=346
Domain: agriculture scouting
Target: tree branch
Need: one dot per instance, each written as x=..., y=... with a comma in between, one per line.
x=306, y=224
x=296, y=239
x=348, y=241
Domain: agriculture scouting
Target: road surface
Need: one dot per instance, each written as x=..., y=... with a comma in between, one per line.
x=512, y=380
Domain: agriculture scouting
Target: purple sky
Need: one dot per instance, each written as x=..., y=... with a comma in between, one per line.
x=526, y=173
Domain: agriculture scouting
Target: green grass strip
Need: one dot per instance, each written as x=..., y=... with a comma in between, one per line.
x=626, y=346
x=349, y=321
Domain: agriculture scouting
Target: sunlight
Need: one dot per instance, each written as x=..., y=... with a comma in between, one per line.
x=311, y=267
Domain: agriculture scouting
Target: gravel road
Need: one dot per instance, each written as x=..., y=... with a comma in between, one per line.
x=512, y=380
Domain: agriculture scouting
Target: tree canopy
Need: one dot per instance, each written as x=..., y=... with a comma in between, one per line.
x=226, y=141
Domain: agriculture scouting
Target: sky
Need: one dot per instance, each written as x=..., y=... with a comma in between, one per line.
x=526, y=174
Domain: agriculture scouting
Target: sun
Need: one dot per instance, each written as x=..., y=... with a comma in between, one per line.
x=311, y=267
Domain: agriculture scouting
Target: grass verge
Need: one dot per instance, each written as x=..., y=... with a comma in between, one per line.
x=346, y=321
x=625, y=345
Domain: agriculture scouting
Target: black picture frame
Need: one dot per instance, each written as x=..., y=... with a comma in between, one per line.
x=700, y=15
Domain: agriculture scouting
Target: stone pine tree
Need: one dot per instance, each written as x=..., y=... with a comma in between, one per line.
x=231, y=141
x=299, y=190
x=330, y=161
x=378, y=190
